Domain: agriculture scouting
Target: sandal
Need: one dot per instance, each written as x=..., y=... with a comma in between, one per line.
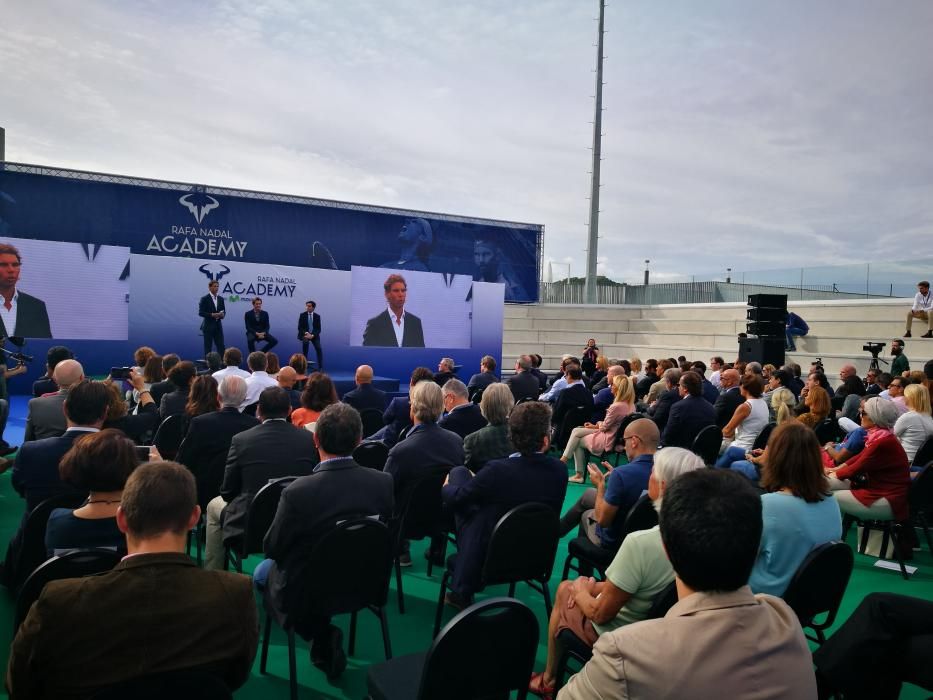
x=536, y=687
x=576, y=479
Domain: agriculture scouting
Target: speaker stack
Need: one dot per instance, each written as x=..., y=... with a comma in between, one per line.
x=766, y=320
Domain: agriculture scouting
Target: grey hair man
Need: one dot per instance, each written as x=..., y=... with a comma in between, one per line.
x=44, y=417
x=463, y=417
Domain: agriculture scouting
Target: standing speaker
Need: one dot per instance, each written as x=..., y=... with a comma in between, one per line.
x=763, y=350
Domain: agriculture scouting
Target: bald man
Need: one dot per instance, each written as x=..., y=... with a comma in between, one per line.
x=286, y=379
x=45, y=417
x=601, y=511
x=365, y=395
x=604, y=398
x=730, y=398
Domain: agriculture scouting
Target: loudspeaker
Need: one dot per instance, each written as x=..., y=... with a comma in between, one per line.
x=770, y=329
x=766, y=315
x=763, y=350
x=773, y=300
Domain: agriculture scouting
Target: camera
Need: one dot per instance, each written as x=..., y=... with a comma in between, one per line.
x=120, y=372
x=873, y=348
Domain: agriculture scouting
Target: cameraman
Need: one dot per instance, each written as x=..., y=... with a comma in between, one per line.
x=20, y=368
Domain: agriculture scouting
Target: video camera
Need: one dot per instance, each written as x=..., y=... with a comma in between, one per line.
x=874, y=348
x=20, y=357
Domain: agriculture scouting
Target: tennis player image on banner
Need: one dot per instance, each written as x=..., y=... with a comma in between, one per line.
x=410, y=309
x=58, y=290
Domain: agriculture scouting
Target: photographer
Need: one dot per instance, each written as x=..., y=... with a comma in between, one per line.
x=20, y=368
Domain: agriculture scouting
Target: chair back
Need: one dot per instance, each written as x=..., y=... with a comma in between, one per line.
x=251, y=409
x=762, y=440
x=32, y=551
x=522, y=546
x=618, y=444
x=170, y=434
x=707, y=443
x=641, y=516
x=420, y=510
x=486, y=651
x=477, y=395
x=372, y=421
x=574, y=418
x=526, y=399
x=920, y=493
x=663, y=601
x=372, y=454
x=348, y=569
x=820, y=583
x=827, y=430
x=261, y=513
x=181, y=685
x=75, y=564
x=925, y=454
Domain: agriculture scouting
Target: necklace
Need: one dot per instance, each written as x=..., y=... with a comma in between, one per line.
x=109, y=503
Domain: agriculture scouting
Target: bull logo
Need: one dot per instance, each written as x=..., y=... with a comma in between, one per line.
x=199, y=211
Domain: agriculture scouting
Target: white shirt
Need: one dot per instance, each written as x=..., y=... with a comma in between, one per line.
x=923, y=302
x=714, y=378
x=214, y=299
x=9, y=315
x=551, y=394
x=255, y=383
x=398, y=325
x=230, y=372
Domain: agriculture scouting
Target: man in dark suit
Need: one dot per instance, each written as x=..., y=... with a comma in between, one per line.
x=274, y=449
x=338, y=489
x=446, y=370
x=32, y=318
x=730, y=397
x=661, y=409
x=205, y=447
x=486, y=375
x=523, y=383
x=576, y=394
x=35, y=471
x=365, y=395
x=463, y=416
x=394, y=327
x=426, y=449
x=211, y=309
x=644, y=384
x=689, y=415
x=257, y=327
x=397, y=415
x=155, y=612
x=44, y=417
x=286, y=378
x=160, y=389
x=309, y=331
x=478, y=502
x=708, y=391
x=45, y=384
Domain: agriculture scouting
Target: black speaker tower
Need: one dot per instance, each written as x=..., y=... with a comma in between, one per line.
x=766, y=319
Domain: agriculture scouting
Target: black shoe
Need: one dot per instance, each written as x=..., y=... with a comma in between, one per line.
x=906, y=334
x=928, y=334
x=457, y=601
x=337, y=663
x=404, y=559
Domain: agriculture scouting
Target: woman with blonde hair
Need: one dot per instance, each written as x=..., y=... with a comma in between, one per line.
x=596, y=438
x=782, y=404
x=636, y=372
x=914, y=427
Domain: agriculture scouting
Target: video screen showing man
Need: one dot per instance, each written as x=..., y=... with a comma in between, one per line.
x=394, y=327
x=21, y=314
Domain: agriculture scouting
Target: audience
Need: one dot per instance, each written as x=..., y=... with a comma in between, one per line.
x=491, y=441
x=598, y=438
x=319, y=393
x=446, y=371
x=486, y=375
x=286, y=380
x=272, y=364
x=155, y=612
x=479, y=501
x=140, y=425
x=232, y=359
x=365, y=396
x=914, y=427
x=44, y=417
x=159, y=389
x=259, y=380
x=523, y=384
x=730, y=397
x=639, y=571
x=604, y=397
x=573, y=394
x=174, y=402
x=462, y=415
x=397, y=415
x=749, y=417
x=299, y=363
x=818, y=405
x=689, y=415
x=202, y=398
x=719, y=640
x=660, y=410
x=46, y=384
x=98, y=463
x=560, y=381
x=782, y=403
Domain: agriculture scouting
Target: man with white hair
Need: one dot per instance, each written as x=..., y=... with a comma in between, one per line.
x=446, y=370
x=463, y=416
x=45, y=417
x=205, y=447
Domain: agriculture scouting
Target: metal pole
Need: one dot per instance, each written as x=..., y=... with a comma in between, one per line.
x=2, y=144
x=592, y=245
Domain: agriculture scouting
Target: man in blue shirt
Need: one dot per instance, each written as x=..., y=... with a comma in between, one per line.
x=600, y=511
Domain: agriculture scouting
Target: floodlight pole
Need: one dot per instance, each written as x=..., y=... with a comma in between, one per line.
x=592, y=244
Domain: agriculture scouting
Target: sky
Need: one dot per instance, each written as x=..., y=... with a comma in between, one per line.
x=748, y=135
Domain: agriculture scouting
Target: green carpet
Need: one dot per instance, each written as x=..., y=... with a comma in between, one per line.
x=411, y=632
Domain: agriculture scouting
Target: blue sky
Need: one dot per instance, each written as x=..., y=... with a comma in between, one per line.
x=738, y=134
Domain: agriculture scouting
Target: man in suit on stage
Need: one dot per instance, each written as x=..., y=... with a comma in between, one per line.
x=394, y=327
x=309, y=332
x=274, y=449
x=257, y=327
x=338, y=489
x=155, y=612
x=205, y=447
x=20, y=314
x=212, y=310
x=44, y=417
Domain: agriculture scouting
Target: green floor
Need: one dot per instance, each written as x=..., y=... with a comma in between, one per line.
x=412, y=632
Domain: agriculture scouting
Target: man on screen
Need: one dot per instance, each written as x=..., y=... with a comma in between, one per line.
x=394, y=327
x=257, y=327
x=20, y=314
x=211, y=309
x=309, y=332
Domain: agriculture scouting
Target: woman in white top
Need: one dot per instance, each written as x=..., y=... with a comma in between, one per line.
x=750, y=417
x=914, y=427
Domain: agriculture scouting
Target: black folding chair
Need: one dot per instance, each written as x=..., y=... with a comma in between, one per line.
x=920, y=500
x=827, y=430
x=251, y=409
x=486, y=651
x=707, y=444
x=641, y=516
x=170, y=434
x=891, y=532
x=762, y=440
x=259, y=518
x=618, y=444
x=924, y=455
x=522, y=547
x=372, y=421
x=574, y=418
x=819, y=585
x=32, y=550
x=75, y=564
x=185, y=684
x=348, y=570
x=372, y=454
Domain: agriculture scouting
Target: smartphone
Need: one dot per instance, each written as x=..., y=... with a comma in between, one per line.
x=120, y=372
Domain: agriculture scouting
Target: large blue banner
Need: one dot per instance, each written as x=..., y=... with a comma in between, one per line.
x=201, y=222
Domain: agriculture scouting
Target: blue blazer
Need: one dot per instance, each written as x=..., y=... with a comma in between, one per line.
x=35, y=471
x=687, y=418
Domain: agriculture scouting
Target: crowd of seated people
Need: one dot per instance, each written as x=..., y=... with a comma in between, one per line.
x=496, y=454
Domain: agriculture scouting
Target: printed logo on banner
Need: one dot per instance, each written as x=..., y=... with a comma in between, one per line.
x=213, y=276
x=199, y=211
